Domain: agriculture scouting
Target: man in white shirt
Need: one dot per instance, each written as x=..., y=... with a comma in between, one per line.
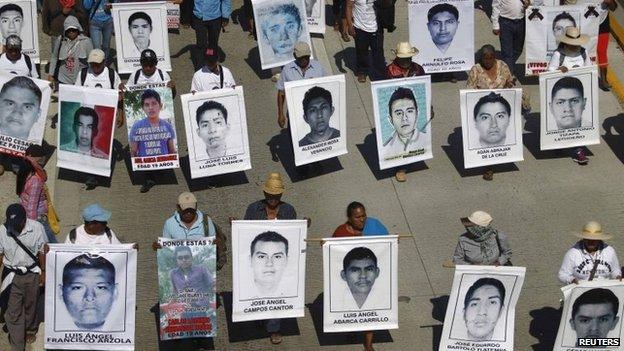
x=149, y=73
x=24, y=274
x=509, y=24
x=363, y=27
x=13, y=61
x=212, y=75
x=95, y=230
x=97, y=75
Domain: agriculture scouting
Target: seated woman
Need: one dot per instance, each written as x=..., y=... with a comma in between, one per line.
x=482, y=244
x=590, y=258
x=489, y=72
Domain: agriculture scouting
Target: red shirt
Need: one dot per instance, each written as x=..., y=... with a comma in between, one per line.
x=395, y=71
x=342, y=231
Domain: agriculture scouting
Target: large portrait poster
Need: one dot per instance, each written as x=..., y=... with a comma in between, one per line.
x=491, y=126
x=216, y=132
x=360, y=284
x=402, y=120
x=85, y=136
x=90, y=297
x=480, y=315
x=592, y=312
x=19, y=17
x=280, y=25
x=187, y=287
x=151, y=127
x=140, y=26
x=318, y=118
x=569, y=108
x=268, y=269
x=24, y=106
x=545, y=23
x=315, y=12
x=443, y=32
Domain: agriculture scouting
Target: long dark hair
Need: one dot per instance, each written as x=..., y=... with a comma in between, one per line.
x=25, y=171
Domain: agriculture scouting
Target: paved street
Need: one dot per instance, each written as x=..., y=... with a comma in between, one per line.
x=539, y=203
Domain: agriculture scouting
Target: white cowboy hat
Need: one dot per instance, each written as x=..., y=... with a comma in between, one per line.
x=593, y=231
x=573, y=36
x=404, y=50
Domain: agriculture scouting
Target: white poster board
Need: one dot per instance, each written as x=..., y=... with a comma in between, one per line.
x=569, y=114
x=443, y=32
x=268, y=269
x=280, y=25
x=480, y=315
x=315, y=12
x=491, y=126
x=139, y=26
x=592, y=310
x=87, y=127
x=402, y=120
x=360, y=283
x=216, y=132
x=90, y=297
x=320, y=132
x=545, y=23
x=19, y=17
x=24, y=106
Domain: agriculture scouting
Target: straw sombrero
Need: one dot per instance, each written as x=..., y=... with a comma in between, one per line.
x=573, y=36
x=405, y=50
x=593, y=231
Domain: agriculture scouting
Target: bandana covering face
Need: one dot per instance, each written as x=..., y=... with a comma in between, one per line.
x=481, y=233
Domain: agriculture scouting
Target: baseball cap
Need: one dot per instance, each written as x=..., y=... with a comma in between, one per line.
x=95, y=212
x=211, y=55
x=148, y=56
x=302, y=49
x=187, y=200
x=15, y=216
x=13, y=42
x=96, y=56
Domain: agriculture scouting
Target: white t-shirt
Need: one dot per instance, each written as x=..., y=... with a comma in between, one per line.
x=568, y=61
x=143, y=79
x=18, y=68
x=84, y=238
x=100, y=81
x=364, y=15
x=205, y=79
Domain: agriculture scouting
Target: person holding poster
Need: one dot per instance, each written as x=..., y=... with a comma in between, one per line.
x=359, y=224
x=209, y=17
x=402, y=66
x=23, y=273
x=590, y=258
x=94, y=230
x=362, y=25
x=570, y=53
x=149, y=73
x=212, y=75
x=151, y=129
x=482, y=244
x=13, y=61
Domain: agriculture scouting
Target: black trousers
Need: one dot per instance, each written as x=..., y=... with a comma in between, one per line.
x=206, y=35
x=374, y=41
x=339, y=9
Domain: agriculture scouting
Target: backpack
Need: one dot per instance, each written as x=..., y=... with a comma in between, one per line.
x=111, y=77
x=220, y=241
x=28, y=62
x=562, y=56
x=138, y=74
x=72, y=235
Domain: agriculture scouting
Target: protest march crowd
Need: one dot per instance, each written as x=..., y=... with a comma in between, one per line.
x=82, y=286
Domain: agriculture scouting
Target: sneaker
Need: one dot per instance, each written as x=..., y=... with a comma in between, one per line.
x=147, y=186
x=604, y=85
x=401, y=176
x=579, y=157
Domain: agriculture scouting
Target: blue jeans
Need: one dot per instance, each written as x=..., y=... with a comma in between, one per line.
x=46, y=226
x=101, y=33
x=511, y=36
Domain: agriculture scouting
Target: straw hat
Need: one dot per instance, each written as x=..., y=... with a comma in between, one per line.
x=573, y=36
x=480, y=218
x=593, y=231
x=404, y=50
x=274, y=184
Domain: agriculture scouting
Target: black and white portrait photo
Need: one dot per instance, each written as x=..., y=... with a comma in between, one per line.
x=481, y=306
x=90, y=292
x=360, y=276
x=280, y=25
x=593, y=310
x=216, y=129
x=19, y=17
x=491, y=126
x=544, y=24
x=139, y=27
x=24, y=104
x=315, y=12
x=402, y=120
x=269, y=267
x=317, y=118
x=569, y=108
x=448, y=43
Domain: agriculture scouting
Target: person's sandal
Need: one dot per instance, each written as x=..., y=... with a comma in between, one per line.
x=401, y=176
x=276, y=338
x=345, y=37
x=30, y=337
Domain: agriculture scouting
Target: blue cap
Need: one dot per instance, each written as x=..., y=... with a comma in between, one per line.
x=95, y=212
